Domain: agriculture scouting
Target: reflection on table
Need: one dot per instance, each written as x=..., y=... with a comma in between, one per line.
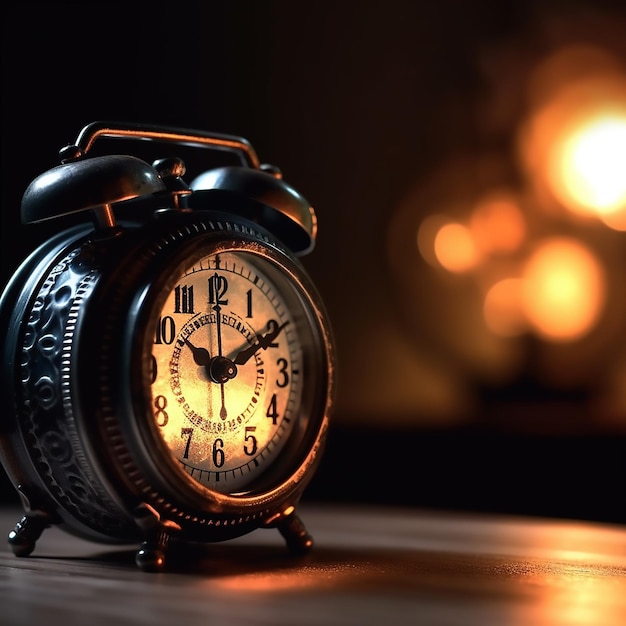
x=368, y=566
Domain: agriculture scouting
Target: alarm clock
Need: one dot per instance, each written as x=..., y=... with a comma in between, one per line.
x=168, y=366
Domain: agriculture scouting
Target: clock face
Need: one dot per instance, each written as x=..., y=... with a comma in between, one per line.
x=234, y=343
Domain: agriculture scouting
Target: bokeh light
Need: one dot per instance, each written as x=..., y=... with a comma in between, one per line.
x=455, y=248
x=503, y=308
x=426, y=235
x=527, y=260
x=574, y=143
x=593, y=164
x=497, y=224
x=563, y=289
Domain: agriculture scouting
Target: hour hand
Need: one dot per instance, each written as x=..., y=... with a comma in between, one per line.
x=262, y=341
x=201, y=355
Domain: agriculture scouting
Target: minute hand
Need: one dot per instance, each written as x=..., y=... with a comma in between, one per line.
x=262, y=341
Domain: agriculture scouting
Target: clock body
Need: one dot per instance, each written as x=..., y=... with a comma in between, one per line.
x=166, y=378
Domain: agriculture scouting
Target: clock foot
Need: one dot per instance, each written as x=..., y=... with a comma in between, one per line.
x=23, y=537
x=295, y=534
x=151, y=555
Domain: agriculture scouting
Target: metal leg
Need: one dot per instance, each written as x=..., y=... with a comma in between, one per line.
x=296, y=536
x=23, y=537
x=151, y=555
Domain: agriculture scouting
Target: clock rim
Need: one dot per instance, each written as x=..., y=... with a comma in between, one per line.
x=148, y=482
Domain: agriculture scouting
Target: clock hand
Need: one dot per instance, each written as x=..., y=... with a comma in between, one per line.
x=201, y=355
x=223, y=413
x=262, y=341
x=217, y=371
x=219, y=368
x=218, y=323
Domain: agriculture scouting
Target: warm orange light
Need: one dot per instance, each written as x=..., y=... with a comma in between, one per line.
x=497, y=224
x=590, y=166
x=563, y=290
x=615, y=220
x=574, y=144
x=426, y=235
x=503, y=309
x=455, y=249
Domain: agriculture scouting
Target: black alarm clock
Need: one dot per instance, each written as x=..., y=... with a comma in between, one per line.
x=168, y=366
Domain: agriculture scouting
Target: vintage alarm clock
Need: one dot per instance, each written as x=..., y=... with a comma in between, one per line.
x=167, y=363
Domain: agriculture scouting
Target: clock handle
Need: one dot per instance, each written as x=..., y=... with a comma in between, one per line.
x=97, y=184
x=199, y=139
x=287, y=214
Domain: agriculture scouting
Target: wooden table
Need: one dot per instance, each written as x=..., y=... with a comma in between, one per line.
x=377, y=566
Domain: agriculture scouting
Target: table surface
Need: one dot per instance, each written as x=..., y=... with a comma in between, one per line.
x=368, y=566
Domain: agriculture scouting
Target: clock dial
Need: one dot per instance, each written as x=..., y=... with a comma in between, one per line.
x=228, y=369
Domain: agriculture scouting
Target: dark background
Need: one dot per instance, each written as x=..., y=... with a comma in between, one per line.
x=359, y=105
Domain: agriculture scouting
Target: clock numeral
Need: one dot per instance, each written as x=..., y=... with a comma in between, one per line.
x=272, y=412
x=249, y=303
x=186, y=432
x=250, y=447
x=183, y=299
x=283, y=381
x=218, y=447
x=160, y=414
x=218, y=453
x=218, y=286
x=165, y=330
